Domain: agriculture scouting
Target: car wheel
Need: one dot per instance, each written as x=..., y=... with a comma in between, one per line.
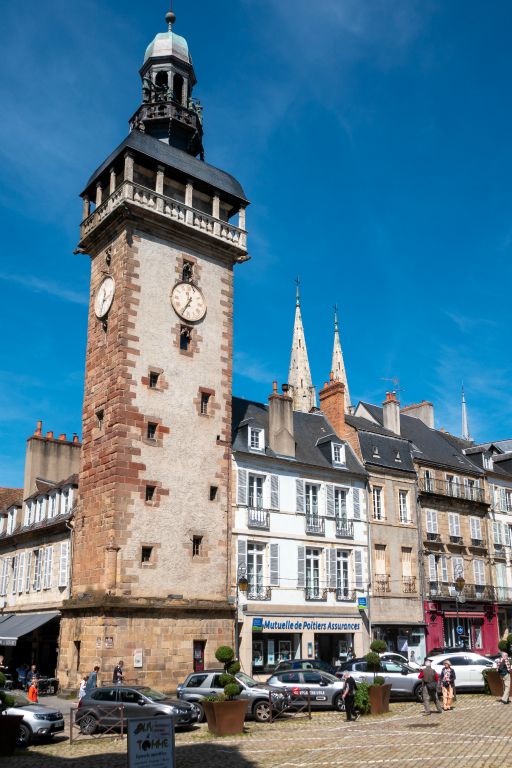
x=24, y=736
x=339, y=703
x=418, y=693
x=261, y=711
x=200, y=709
x=88, y=725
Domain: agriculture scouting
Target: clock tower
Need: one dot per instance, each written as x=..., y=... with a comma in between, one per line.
x=163, y=230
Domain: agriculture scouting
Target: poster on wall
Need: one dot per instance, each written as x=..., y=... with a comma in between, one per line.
x=271, y=659
x=257, y=653
x=285, y=650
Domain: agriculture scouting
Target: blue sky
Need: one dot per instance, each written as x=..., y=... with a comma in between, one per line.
x=373, y=139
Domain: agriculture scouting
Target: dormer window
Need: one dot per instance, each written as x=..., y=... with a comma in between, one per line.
x=338, y=453
x=397, y=457
x=488, y=464
x=256, y=441
x=11, y=520
x=376, y=454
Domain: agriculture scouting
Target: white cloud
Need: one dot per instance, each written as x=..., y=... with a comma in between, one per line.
x=37, y=285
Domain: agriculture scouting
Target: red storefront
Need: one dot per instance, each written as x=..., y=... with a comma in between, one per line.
x=479, y=622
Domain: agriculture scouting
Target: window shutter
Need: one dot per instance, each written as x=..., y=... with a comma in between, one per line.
x=358, y=568
x=478, y=570
x=37, y=569
x=431, y=521
x=48, y=568
x=301, y=567
x=3, y=579
x=503, y=500
x=457, y=567
x=274, y=491
x=506, y=535
x=331, y=568
x=496, y=533
x=432, y=570
x=476, y=530
x=29, y=564
x=456, y=523
x=14, y=574
x=451, y=524
x=274, y=565
x=64, y=564
x=444, y=569
x=329, y=492
x=21, y=572
x=242, y=556
x=357, y=504
x=242, y=487
x=299, y=492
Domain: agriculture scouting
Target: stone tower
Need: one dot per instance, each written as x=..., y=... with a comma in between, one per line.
x=299, y=375
x=163, y=229
x=338, y=365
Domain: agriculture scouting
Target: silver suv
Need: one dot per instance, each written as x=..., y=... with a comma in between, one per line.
x=207, y=683
x=39, y=722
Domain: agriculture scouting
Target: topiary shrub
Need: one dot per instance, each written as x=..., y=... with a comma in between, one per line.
x=373, y=661
x=378, y=646
x=503, y=645
x=6, y=700
x=362, y=698
x=378, y=680
x=226, y=655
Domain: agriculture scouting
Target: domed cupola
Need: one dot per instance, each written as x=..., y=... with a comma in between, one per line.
x=168, y=111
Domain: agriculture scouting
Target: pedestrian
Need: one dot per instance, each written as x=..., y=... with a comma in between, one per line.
x=504, y=672
x=118, y=675
x=429, y=678
x=32, y=675
x=92, y=681
x=21, y=671
x=348, y=696
x=32, y=691
x=83, y=688
x=412, y=657
x=3, y=667
x=447, y=679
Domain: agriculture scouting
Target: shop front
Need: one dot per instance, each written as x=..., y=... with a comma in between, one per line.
x=268, y=640
x=473, y=626
x=406, y=639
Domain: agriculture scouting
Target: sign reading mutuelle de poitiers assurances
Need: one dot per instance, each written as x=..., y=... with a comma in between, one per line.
x=299, y=625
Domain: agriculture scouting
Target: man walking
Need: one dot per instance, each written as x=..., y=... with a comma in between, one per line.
x=118, y=675
x=92, y=681
x=504, y=672
x=348, y=696
x=429, y=678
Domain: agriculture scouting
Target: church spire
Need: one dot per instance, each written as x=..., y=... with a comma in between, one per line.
x=299, y=376
x=465, y=425
x=338, y=366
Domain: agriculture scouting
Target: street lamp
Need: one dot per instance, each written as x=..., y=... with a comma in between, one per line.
x=242, y=584
x=460, y=583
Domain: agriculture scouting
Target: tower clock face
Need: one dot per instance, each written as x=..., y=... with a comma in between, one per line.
x=188, y=302
x=104, y=297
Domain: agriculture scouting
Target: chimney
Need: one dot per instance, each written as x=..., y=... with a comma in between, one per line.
x=39, y=430
x=391, y=413
x=49, y=435
x=75, y=438
x=280, y=422
x=332, y=404
x=423, y=411
x=62, y=436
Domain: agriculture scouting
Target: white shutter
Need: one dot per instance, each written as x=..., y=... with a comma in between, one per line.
x=242, y=557
x=21, y=572
x=432, y=570
x=301, y=566
x=242, y=487
x=4, y=577
x=64, y=564
x=478, y=570
x=274, y=565
x=274, y=491
x=14, y=574
x=444, y=569
x=29, y=565
x=331, y=555
x=503, y=500
x=476, y=528
x=47, y=580
x=457, y=567
x=329, y=494
x=454, y=524
x=496, y=528
x=357, y=504
x=299, y=493
x=431, y=521
x=358, y=568
x=37, y=569
x=506, y=533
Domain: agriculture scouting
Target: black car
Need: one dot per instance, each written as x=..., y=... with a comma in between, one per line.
x=323, y=666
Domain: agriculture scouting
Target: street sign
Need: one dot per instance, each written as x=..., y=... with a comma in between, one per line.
x=362, y=602
x=151, y=742
x=460, y=630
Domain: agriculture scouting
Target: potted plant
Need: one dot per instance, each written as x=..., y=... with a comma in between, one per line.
x=9, y=724
x=225, y=714
x=379, y=691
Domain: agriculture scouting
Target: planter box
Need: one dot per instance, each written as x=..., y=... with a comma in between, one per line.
x=379, y=698
x=225, y=718
x=495, y=682
x=9, y=725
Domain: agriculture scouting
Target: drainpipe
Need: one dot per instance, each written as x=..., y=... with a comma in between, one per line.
x=369, y=540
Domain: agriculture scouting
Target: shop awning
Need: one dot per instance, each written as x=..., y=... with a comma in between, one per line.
x=15, y=625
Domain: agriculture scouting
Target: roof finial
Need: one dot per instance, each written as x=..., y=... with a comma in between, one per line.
x=297, y=300
x=335, y=318
x=170, y=18
x=465, y=422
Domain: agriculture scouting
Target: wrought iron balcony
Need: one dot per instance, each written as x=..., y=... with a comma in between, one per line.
x=456, y=540
x=381, y=584
x=503, y=594
x=315, y=594
x=479, y=543
x=259, y=593
x=433, y=538
x=344, y=594
x=258, y=518
x=344, y=529
x=455, y=490
x=470, y=591
x=315, y=525
x=499, y=550
x=409, y=584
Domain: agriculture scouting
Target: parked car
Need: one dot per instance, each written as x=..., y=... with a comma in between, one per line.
x=102, y=707
x=399, y=659
x=206, y=683
x=39, y=721
x=324, y=689
x=468, y=668
x=404, y=680
x=446, y=649
x=323, y=666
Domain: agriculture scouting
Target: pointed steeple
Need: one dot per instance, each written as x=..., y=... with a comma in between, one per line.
x=338, y=366
x=302, y=390
x=465, y=425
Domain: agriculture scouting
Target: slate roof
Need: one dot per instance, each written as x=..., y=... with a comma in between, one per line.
x=429, y=445
x=175, y=158
x=309, y=429
x=388, y=445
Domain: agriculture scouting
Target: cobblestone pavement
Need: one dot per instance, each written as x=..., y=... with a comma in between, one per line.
x=476, y=734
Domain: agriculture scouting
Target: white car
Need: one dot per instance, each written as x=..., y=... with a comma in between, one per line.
x=468, y=668
x=399, y=659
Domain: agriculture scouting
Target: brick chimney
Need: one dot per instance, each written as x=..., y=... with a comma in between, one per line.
x=332, y=404
x=391, y=413
x=280, y=422
x=423, y=411
x=39, y=430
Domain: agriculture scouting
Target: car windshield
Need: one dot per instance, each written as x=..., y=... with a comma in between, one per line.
x=246, y=680
x=150, y=693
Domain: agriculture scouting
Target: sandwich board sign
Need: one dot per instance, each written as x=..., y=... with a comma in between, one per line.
x=151, y=742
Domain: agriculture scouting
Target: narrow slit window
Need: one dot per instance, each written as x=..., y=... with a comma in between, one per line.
x=150, y=492
x=153, y=379
x=146, y=554
x=213, y=492
x=185, y=337
x=205, y=399
x=100, y=419
x=187, y=273
x=197, y=544
x=151, y=434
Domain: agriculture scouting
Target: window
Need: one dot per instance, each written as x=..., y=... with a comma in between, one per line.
x=64, y=564
x=256, y=491
x=340, y=505
x=153, y=379
x=150, y=492
x=28, y=569
x=196, y=681
x=14, y=574
x=185, y=337
x=403, y=506
x=431, y=516
x=40, y=510
x=213, y=492
x=108, y=694
x=311, y=494
x=406, y=562
x=65, y=499
x=454, y=525
x=479, y=572
x=47, y=567
x=11, y=519
x=378, y=511
x=313, y=572
x=187, y=273
x=99, y=419
x=151, y=433
x=145, y=554
x=51, y=501
x=4, y=576
x=488, y=462
x=376, y=453
x=205, y=399
x=476, y=528
x=457, y=567
x=342, y=582
x=197, y=546
x=255, y=566
x=429, y=481
x=338, y=453
x=397, y=457
x=380, y=560
x=255, y=439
